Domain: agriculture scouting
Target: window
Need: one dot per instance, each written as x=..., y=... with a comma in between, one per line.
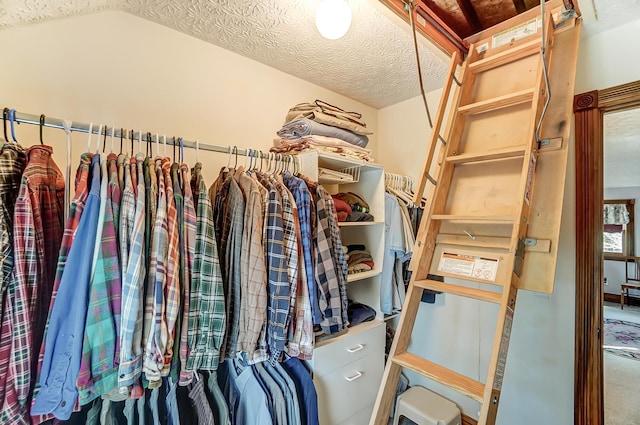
x=618, y=228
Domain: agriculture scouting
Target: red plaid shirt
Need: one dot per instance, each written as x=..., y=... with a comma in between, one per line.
x=37, y=232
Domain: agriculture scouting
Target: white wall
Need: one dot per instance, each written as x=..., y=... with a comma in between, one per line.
x=614, y=270
x=609, y=59
x=119, y=69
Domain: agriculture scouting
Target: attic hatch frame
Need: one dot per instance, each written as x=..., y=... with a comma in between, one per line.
x=433, y=27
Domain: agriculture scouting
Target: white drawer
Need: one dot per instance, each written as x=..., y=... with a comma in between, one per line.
x=360, y=418
x=350, y=389
x=359, y=342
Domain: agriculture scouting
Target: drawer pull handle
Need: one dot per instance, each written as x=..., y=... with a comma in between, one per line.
x=354, y=377
x=355, y=349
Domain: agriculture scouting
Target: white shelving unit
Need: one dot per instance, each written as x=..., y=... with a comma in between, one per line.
x=348, y=368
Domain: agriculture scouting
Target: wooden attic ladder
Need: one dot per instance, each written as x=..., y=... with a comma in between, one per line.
x=475, y=232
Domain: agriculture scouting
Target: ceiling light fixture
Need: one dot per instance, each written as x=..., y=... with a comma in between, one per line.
x=333, y=18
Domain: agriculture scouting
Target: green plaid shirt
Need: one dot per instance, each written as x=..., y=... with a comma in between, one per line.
x=206, y=307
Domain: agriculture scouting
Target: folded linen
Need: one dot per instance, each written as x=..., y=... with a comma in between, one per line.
x=321, y=144
x=325, y=113
x=305, y=127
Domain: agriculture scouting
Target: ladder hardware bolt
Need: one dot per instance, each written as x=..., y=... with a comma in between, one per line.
x=512, y=303
x=495, y=400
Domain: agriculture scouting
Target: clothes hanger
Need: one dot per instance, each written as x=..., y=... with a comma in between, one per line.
x=5, y=113
x=181, y=141
x=149, y=144
x=140, y=141
x=98, y=134
x=174, y=148
x=121, y=137
x=131, y=137
x=235, y=148
x=113, y=134
x=197, y=150
x=12, y=120
x=157, y=144
x=89, y=137
x=42, y=120
x=164, y=142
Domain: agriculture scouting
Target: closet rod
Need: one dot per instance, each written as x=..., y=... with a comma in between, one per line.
x=21, y=117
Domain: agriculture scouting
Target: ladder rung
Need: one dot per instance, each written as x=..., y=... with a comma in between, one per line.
x=462, y=291
x=511, y=55
x=475, y=218
x=477, y=241
x=510, y=152
x=498, y=102
x=462, y=384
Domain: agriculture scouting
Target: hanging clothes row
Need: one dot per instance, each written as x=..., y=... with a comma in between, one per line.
x=154, y=279
x=402, y=218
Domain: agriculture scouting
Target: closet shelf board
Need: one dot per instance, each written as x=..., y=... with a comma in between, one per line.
x=363, y=275
x=358, y=223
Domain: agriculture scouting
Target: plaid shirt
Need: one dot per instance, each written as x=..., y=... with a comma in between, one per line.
x=302, y=197
x=98, y=367
x=157, y=338
x=279, y=293
x=330, y=274
x=189, y=241
x=75, y=213
x=172, y=286
x=130, y=367
x=300, y=338
x=253, y=304
x=289, y=212
x=38, y=222
x=235, y=207
x=12, y=162
x=61, y=364
x=176, y=177
x=206, y=307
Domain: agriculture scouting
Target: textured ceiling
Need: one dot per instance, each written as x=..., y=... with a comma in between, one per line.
x=374, y=63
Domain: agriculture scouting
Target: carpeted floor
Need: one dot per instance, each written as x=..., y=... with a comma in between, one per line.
x=622, y=338
x=621, y=376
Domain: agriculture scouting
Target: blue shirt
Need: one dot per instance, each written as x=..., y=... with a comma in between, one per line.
x=63, y=347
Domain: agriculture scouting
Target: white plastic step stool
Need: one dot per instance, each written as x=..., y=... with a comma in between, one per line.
x=426, y=408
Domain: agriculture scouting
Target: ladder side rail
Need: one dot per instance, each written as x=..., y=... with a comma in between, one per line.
x=435, y=131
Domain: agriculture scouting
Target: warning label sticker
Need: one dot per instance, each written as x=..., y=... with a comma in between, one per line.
x=469, y=266
x=516, y=33
x=532, y=169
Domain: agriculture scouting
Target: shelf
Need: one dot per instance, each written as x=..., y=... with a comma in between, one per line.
x=362, y=275
x=324, y=339
x=358, y=223
x=337, y=161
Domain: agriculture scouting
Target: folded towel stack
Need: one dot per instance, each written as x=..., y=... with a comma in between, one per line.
x=307, y=120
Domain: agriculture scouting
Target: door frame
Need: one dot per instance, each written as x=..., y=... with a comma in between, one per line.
x=589, y=109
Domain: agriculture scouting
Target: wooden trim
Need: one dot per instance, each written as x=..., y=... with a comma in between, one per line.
x=466, y=420
x=589, y=109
